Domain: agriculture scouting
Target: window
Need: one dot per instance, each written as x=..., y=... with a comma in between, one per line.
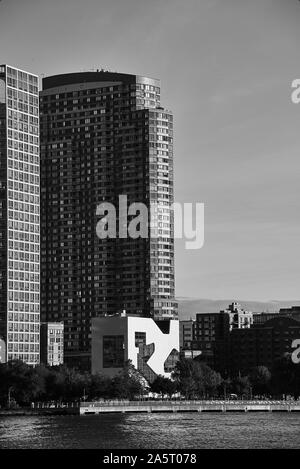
x=140, y=338
x=113, y=351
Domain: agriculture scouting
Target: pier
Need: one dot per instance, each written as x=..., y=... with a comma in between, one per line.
x=93, y=408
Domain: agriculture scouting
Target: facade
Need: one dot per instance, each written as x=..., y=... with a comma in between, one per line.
x=19, y=215
x=191, y=353
x=262, y=344
x=293, y=312
x=212, y=338
x=104, y=135
x=2, y=351
x=52, y=343
x=261, y=318
x=234, y=341
x=238, y=317
x=152, y=347
x=208, y=338
x=186, y=334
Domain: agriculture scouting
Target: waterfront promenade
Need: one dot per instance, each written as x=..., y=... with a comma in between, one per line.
x=154, y=406
x=90, y=408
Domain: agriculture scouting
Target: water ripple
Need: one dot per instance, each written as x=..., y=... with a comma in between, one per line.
x=160, y=431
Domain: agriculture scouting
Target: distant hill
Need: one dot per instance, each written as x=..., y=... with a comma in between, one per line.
x=188, y=307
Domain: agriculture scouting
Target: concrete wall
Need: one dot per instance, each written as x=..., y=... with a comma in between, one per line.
x=163, y=343
x=102, y=326
x=128, y=326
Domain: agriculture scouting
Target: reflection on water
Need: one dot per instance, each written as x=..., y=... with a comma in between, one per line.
x=160, y=431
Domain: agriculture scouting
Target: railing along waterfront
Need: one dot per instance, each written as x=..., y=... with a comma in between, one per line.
x=188, y=406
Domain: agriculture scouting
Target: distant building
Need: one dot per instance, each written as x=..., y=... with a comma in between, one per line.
x=187, y=339
x=235, y=340
x=2, y=351
x=186, y=334
x=261, y=318
x=52, y=343
x=152, y=347
x=208, y=336
x=211, y=337
x=262, y=344
x=238, y=317
x=293, y=312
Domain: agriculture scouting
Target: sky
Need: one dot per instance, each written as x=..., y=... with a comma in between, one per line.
x=226, y=68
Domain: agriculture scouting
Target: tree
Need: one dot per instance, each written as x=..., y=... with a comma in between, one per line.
x=55, y=384
x=226, y=387
x=39, y=376
x=184, y=377
x=75, y=383
x=100, y=386
x=286, y=377
x=213, y=381
x=195, y=378
x=128, y=383
x=164, y=386
x=20, y=383
x=260, y=378
x=241, y=385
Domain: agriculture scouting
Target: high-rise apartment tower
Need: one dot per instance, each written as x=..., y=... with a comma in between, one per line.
x=19, y=215
x=104, y=135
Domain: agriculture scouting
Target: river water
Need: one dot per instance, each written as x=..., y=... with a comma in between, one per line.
x=153, y=431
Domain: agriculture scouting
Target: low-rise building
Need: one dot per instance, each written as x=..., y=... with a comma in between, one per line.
x=52, y=343
x=211, y=337
x=262, y=344
x=186, y=333
x=235, y=340
x=261, y=318
x=212, y=334
x=293, y=312
x=2, y=351
x=238, y=317
x=151, y=346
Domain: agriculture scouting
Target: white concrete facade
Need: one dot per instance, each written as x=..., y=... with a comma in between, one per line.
x=127, y=329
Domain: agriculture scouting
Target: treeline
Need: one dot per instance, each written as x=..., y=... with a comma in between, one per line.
x=21, y=384
x=194, y=379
